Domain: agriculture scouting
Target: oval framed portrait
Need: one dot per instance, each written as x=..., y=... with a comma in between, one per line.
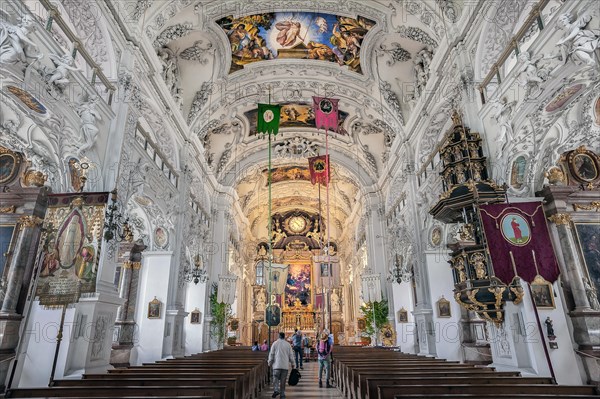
x=584, y=167
x=9, y=166
x=515, y=229
x=161, y=237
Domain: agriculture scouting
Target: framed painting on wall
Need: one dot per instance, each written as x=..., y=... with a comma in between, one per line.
x=195, y=316
x=154, y=309
x=543, y=294
x=443, y=308
x=588, y=238
x=402, y=316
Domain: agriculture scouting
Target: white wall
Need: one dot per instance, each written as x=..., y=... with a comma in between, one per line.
x=193, y=332
x=405, y=332
x=522, y=348
x=447, y=330
x=154, y=282
x=39, y=346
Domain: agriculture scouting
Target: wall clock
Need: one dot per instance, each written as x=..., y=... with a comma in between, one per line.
x=297, y=224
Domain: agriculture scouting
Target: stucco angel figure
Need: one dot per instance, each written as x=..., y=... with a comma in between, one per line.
x=15, y=45
x=530, y=74
x=63, y=67
x=89, y=116
x=579, y=44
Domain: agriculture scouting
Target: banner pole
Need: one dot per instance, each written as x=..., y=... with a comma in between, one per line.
x=59, y=337
x=539, y=324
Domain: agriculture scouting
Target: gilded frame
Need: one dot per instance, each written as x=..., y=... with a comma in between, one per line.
x=11, y=174
x=542, y=293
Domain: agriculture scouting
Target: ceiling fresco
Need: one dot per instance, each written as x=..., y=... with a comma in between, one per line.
x=296, y=35
x=294, y=115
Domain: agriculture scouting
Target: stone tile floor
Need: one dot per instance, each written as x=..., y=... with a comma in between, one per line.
x=308, y=387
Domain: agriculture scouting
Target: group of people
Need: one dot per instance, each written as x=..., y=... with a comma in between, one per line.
x=263, y=348
x=285, y=352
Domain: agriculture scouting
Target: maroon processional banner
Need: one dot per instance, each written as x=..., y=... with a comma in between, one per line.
x=518, y=241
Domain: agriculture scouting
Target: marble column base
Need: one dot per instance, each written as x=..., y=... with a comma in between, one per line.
x=120, y=355
x=586, y=332
x=9, y=339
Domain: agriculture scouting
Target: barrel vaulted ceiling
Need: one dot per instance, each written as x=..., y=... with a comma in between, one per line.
x=230, y=55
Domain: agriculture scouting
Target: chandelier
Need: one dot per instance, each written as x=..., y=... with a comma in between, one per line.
x=399, y=273
x=116, y=226
x=197, y=274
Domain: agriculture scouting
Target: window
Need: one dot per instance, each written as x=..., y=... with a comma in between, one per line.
x=260, y=273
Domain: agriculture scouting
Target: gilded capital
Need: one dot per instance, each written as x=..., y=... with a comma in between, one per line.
x=560, y=219
x=34, y=178
x=8, y=209
x=30, y=221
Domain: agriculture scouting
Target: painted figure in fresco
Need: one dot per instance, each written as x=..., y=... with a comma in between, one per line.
x=289, y=32
x=579, y=44
x=50, y=263
x=85, y=270
x=15, y=46
x=516, y=230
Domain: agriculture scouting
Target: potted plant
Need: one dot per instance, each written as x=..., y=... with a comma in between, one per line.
x=221, y=313
x=379, y=314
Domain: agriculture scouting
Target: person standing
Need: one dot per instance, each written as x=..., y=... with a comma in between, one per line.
x=297, y=346
x=279, y=358
x=324, y=349
x=306, y=344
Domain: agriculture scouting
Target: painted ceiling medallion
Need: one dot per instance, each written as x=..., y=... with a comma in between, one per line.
x=30, y=101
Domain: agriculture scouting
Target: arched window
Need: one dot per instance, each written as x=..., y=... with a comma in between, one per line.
x=260, y=272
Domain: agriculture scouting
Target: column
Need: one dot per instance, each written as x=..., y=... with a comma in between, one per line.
x=25, y=249
x=561, y=234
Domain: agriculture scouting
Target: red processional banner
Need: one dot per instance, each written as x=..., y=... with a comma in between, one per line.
x=519, y=242
x=319, y=169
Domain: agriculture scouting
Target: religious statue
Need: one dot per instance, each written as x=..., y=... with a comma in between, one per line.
x=260, y=300
x=460, y=268
x=503, y=115
x=15, y=46
x=278, y=235
x=479, y=265
x=315, y=233
x=335, y=301
x=529, y=73
x=59, y=76
x=578, y=44
x=550, y=329
x=169, y=68
x=591, y=294
x=88, y=117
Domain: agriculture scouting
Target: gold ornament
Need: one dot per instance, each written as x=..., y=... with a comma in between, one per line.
x=34, y=178
x=29, y=221
x=594, y=205
x=560, y=219
x=8, y=209
x=555, y=175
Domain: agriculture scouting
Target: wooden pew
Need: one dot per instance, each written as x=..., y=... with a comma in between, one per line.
x=524, y=390
x=228, y=374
